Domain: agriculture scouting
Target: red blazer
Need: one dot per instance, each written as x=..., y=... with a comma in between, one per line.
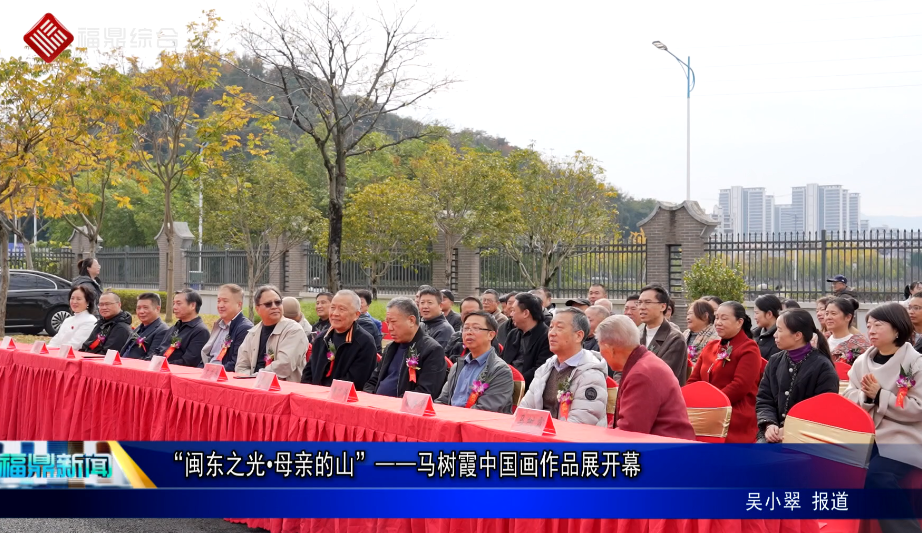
x=738, y=379
x=649, y=398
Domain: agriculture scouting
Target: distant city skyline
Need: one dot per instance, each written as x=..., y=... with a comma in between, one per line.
x=813, y=208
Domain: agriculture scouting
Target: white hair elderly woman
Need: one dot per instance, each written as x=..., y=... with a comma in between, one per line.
x=649, y=399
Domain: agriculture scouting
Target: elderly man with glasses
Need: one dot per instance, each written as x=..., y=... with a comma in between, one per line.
x=481, y=379
x=277, y=344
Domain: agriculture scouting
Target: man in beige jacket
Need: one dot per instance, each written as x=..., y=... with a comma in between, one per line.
x=277, y=344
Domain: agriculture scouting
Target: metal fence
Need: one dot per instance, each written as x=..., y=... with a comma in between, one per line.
x=136, y=267
x=58, y=261
x=620, y=267
x=214, y=266
x=878, y=264
x=399, y=279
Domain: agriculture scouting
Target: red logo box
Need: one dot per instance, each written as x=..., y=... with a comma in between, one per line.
x=48, y=38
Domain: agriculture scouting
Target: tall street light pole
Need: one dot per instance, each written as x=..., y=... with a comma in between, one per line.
x=690, y=81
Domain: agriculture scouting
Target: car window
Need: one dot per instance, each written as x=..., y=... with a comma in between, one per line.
x=29, y=282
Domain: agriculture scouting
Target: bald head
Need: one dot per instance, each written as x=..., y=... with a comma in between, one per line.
x=604, y=302
x=596, y=314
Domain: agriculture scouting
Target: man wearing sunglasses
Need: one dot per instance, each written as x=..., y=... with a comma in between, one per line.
x=277, y=344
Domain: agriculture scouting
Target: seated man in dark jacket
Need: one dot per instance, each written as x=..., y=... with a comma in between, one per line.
x=345, y=351
x=413, y=362
x=527, y=346
x=113, y=329
x=149, y=334
x=437, y=326
x=183, y=343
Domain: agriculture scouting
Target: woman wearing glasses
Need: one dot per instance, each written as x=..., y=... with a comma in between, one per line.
x=277, y=344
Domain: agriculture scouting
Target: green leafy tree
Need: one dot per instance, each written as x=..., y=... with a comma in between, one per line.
x=562, y=209
x=386, y=225
x=470, y=195
x=256, y=206
x=712, y=276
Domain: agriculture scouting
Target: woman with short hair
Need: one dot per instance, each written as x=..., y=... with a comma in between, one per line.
x=732, y=364
x=700, y=320
x=885, y=381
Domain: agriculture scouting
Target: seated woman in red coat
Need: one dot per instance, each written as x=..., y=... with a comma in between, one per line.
x=732, y=364
x=649, y=399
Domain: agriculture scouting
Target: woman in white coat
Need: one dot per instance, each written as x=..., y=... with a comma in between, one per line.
x=886, y=381
x=76, y=329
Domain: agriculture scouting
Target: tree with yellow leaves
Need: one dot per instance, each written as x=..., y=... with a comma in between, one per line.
x=106, y=113
x=175, y=141
x=33, y=118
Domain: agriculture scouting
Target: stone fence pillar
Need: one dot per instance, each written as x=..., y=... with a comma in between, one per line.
x=182, y=240
x=676, y=234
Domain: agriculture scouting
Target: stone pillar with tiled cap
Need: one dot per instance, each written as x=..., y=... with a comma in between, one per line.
x=675, y=232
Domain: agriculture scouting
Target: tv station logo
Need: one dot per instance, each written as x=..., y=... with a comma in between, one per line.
x=48, y=38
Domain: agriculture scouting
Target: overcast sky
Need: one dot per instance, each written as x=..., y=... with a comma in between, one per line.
x=788, y=93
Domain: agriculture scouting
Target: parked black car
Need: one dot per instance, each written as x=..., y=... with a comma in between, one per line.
x=37, y=301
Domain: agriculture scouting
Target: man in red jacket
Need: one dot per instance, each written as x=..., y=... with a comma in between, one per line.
x=649, y=398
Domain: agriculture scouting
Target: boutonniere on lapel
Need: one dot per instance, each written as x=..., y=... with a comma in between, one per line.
x=724, y=354
x=564, y=399
x=140, y=342
x=331, y=356
x=175, y=341
x=224, y=347
x=850, y=355
x=412, y=362
x=904, y=383
x=478, y=387
x=269, y=357
x=100, y=338
x=692, y=355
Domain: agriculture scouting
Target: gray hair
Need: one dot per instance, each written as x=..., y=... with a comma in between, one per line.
x=619, y=331
x=264, y=289
x=578, y=318
x=356, y=302
x=405, y=306
x=599, y=310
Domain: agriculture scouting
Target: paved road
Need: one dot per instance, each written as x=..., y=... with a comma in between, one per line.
x=107, y=525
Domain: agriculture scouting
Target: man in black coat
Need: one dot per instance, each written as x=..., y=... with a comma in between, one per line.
x=448, y=300
x=323, y=315
x=527, y=346
x=149, y=334
x=113, y=329
x=345, y=351
x=183, y=343
x=437, y=326
x=411, y=348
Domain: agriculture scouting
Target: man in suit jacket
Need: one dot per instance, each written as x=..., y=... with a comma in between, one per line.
x=393, y=376
x=527, y=346
x=150, y=331
x=228, y=333
x=658, y=335
x=649, y=399
x=479, y=330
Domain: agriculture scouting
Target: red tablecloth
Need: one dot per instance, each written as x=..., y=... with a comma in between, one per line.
x=45, y=397
x=229, y=410
x=123, y=402
x=7, y=398
x=44, y=388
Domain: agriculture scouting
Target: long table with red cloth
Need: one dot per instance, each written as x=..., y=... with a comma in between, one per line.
x=49, y=397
